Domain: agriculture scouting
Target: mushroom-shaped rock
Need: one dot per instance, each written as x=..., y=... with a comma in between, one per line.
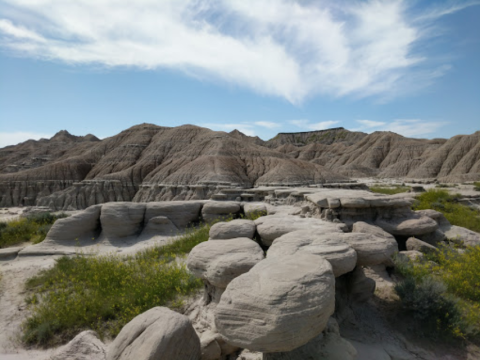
x=84, y=346
x=215, y=210
x=158, y=226
x=233, y=229
x=371, y=249
x=221, y=261
x=408, y=226
x=181, y=213
x=76, y=227
x=330, y=246
x=279, y=305
x=157, y=334
x=121, y=219
x=271, y=227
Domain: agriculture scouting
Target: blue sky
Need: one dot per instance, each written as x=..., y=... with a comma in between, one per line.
x=263, y=67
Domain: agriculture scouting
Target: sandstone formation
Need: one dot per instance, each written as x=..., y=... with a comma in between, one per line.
x=279, y=305
x=157, y=334
x=219, y=262
x=233, y=229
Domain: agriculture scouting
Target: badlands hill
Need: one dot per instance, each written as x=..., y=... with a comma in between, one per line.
x=150, y=162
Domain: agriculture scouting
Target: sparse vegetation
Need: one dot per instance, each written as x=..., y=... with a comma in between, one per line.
x=389, y=190
x=254, y=215
x=443, y=291
x=449, y=206
x=476, y=186
x=103, y=293
x=32, y=228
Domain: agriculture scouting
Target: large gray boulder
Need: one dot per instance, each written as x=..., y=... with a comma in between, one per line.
x=122, y=219
x=181, y=213
x=272, y=227
x=76, y=227
x=218, y=210
x=233, y=229
x=371, y=249
x=84, y=346
x=408, y=226
x=366, y=228
x=157, y=334
x=331, y=247
x=461, y=235
x=419, y=245
x=279, y=305
x=221, y=261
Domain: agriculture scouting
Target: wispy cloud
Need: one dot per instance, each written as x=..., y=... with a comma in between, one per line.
x=285, y=48
x=268, y=124
x=13, y=138
x=308, y=125
x=405, y=127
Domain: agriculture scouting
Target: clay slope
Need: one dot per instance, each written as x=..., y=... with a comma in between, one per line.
x=33, y=154
x=151, y=156
x=326, y=137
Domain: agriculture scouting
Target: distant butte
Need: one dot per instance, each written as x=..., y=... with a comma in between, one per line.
x=153, y=163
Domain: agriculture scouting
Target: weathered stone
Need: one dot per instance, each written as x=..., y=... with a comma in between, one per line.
x=329, y=246
x=279, y=305
x=157, y=334
x=76, y=227
x=435, y=215
x=84, y=346
x=365, y=228
x=209, y=346
x=408, y=226
x=221, y=261
x=181, y=213
x=272, y=227
x=421, y=246
x=360, y=287
x=461, y=235
x=371, y=249
x=121, y=219
x=215, y=210
x=233, y=229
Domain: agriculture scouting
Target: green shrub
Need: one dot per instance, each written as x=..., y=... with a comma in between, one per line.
x=31, y=228
x=443, y=291
x=448, y=205
x=254, y=215
x=390, y=190
x=430, y=304
x=104, y=293
x=476, y=186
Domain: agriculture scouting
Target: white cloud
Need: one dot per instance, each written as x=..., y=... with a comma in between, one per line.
x=286, y=48
x=414, y=127
x=370, y=123
x=13, y=138
x=307, y=125
x=405, y=127
x=267, y=124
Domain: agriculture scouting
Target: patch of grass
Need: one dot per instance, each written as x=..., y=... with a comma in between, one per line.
x=104, y=293
x=476, y=186
x=448, y=205
x=390, y=190
x=254, y=215
x=32, y=228
x=443, y=291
